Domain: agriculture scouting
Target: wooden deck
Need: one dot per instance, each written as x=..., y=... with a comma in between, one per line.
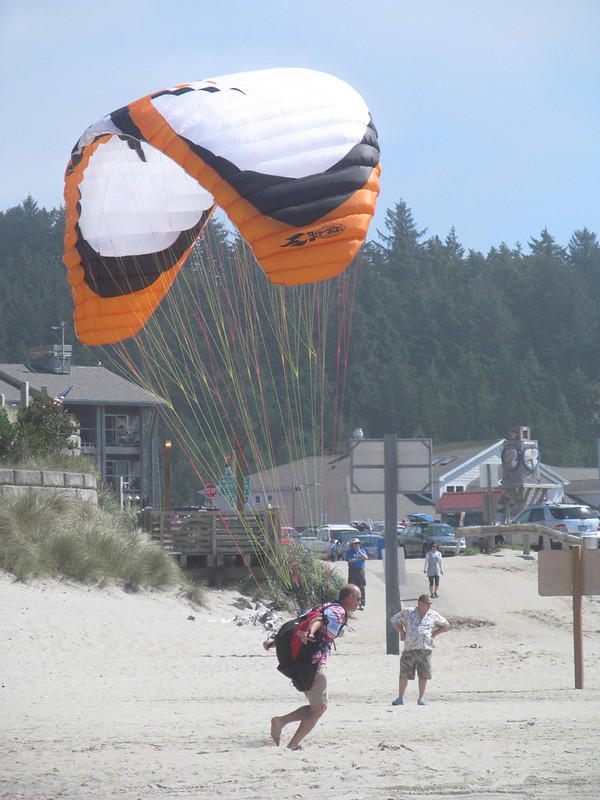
x=216, y=540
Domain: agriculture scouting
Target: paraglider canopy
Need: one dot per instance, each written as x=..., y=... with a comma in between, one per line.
x=290, y=155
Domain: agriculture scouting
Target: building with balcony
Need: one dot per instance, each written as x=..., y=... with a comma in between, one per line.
x=117, y=419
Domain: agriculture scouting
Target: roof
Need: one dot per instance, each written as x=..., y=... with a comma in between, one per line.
x=471, y=500
x=447, y=456
x=578, y=473
x=12, y=394
x=87, y=385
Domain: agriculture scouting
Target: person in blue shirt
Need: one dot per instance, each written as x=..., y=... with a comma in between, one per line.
x=356, y=560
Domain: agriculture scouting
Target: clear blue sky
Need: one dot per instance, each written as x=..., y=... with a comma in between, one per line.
x=488, y=112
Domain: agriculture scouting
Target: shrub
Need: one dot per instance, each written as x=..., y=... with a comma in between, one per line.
x=41, y=428
x=7, y=433
x=298, y=580
x=55, y=536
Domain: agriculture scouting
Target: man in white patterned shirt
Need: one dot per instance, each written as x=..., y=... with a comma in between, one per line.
x=417, y=627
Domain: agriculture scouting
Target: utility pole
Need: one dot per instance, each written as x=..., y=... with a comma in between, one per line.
x=392, y=589
x=240, y=443
x=167, y=447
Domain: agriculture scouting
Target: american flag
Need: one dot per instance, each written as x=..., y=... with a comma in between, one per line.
x=59, y=399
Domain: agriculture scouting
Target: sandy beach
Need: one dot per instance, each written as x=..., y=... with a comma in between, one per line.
x=110, y=694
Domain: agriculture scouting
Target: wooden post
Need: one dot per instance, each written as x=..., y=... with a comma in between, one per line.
x=167, y=474
x=214, y=537
x=392, y=589
x=489, y=516
x=240, y=443
x=577, y=614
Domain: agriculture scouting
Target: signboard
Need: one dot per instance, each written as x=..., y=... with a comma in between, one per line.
x=210, y=490
x=229, y=486
x=413, y=457
x=555, y=573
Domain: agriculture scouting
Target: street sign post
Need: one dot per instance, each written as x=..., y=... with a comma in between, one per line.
x=228, y=486
x=575, y=573
x=413, y=464
x=391, y=466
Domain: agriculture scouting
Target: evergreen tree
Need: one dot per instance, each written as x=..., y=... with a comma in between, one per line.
x=443, y=344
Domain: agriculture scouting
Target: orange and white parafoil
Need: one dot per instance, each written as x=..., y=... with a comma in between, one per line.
x=290, y=155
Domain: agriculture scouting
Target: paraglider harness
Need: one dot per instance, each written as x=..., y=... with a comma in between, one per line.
x=295, y=657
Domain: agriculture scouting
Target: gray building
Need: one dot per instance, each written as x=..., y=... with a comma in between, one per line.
x=313, y=491
x=117, y=419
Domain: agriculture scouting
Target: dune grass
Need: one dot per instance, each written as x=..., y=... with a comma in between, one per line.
x=298, y=580
x=64, y=462
x=55, y=536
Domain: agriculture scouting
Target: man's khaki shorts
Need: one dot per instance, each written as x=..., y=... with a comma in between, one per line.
x=317, y=694
x=419, y=660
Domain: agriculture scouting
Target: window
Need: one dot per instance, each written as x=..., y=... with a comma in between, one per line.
x=117, y=469
x=573, y=512
x=122, y=430
x=123, y=468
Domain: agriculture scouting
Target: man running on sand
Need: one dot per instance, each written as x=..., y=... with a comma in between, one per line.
x=308, y=716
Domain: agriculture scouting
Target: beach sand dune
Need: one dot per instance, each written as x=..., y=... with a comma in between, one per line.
x=140, y=696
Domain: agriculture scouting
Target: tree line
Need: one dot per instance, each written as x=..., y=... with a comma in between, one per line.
x=448, y=344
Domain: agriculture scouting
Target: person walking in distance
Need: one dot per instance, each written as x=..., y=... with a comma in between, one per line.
x=357, y=573
x=433, y=568
x=418, y=627
x=325, y=629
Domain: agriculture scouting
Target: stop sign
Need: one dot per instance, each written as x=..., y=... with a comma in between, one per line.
x=210, y=490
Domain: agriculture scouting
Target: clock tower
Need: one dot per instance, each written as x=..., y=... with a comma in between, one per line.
x=520, y=458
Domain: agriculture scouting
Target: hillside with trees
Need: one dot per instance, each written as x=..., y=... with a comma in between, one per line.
x=447, y=344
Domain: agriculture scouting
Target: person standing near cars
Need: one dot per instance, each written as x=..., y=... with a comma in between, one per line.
x=417, y=627
x=433, y=568
x=356, y=559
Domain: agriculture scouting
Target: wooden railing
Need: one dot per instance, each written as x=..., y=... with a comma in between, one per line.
x=528, y=533
x=215, y=538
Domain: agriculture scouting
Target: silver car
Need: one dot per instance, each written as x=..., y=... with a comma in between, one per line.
x=573, y=518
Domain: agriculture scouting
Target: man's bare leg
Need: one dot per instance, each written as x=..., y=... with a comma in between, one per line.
x=402, y=684
x=307, y=716
x=307, y=723
x=279, y=723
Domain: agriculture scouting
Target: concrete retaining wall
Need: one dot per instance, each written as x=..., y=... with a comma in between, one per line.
x=79, y=485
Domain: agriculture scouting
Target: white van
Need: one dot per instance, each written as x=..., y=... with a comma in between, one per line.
x=327, y=541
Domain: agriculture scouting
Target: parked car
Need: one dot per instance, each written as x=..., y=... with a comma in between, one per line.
x=363, y=526
x=344, y=535
x=379, y=527
x=573, y=518
x=417, y=537
x=327, y=540
x=369, y=542
x=289, y=534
